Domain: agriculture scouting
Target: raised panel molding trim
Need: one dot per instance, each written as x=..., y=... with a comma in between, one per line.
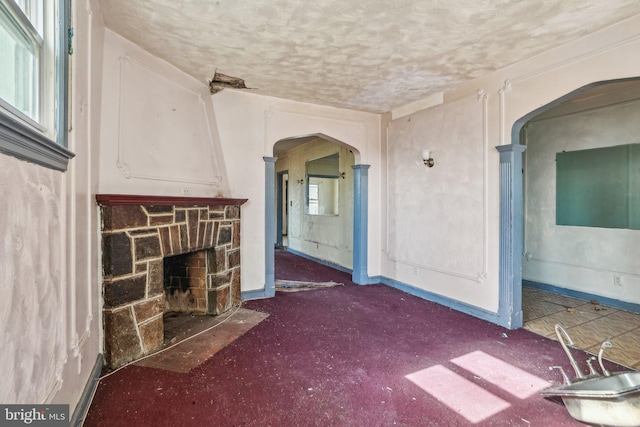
x=480, y=276
x=124, y=163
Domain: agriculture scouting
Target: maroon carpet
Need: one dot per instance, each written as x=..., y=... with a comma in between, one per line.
x=348, y=356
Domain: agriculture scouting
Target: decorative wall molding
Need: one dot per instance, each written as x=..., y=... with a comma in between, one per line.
x=574, y=59
x=584, y=267
x=482, y=97
x=57, y=384
x=480, y=276
x=539, y=121
x=501, y=94
x=124, y=163
x=271, y=137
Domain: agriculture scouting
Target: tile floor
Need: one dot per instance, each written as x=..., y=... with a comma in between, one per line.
x=587, y=323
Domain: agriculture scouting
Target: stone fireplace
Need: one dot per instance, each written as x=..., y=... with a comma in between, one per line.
x=164, y=254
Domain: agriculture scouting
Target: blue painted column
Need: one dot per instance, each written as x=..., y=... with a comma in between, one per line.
x=360, y=223
x=269, y=226
x=511, y=235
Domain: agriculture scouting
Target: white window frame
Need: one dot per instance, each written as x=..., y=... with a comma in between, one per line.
x=44, y=141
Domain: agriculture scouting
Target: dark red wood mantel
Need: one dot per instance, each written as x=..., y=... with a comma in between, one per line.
x=138, y=200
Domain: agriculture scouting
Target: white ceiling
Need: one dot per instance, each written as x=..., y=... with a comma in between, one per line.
x=369, y=55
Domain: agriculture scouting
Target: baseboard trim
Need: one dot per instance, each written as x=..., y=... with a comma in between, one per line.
x=611, y=302
x=442, y=300
x=404, y=287
x=87, y=394
x=255, y=294
x=320, y=261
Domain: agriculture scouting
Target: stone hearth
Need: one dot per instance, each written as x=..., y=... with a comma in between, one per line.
x=138, y=233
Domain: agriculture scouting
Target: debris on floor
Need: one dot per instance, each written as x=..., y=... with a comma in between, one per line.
x=295, y=286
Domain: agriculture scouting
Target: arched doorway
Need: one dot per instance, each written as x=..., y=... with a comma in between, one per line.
x=512, y=191
x=326, y=204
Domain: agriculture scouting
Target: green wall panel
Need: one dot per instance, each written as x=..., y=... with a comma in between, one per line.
x=634, y=186
x=593, y=187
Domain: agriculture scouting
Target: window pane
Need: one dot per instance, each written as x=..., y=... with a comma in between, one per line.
x=33, y=81
x=323, y=196
x=323, y=185
x=19, y=86
x=34, y=13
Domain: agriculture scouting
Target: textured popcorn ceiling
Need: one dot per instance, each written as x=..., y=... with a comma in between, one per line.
x=362, y=54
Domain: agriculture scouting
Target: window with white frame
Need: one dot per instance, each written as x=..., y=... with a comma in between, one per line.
x=33, y=81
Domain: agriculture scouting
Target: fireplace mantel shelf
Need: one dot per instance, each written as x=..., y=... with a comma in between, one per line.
x=138, y=200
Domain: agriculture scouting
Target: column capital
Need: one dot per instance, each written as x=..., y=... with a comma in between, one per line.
x=363, y=167
x=518, y=148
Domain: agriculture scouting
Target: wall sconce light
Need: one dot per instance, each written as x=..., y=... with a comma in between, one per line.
x=342, y=174
x=427, y=159
x=301, y=181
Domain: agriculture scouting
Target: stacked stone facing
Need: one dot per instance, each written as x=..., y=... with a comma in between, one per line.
x=135, y=241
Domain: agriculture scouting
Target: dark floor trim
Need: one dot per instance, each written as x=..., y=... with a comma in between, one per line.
x=442, y=300
x=623, y=305
x=87, y=394
x=255, y=294
x=321, y=261
x=409, y=289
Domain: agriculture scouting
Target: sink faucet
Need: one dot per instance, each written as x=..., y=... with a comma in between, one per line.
x=605, y=344
x=565, y=377
x=574, y=364
x=592, y=370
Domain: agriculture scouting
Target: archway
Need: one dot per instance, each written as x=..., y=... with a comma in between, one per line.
x=512, y=208
x=350, y=218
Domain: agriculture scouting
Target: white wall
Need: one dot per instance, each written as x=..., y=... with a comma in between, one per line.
x=160, y=137
x=437, y=217
x=159, y=131
x=325, y=237
x=33, y=328
x=579, y=258
x=464, y=183
x=49, y=314
x=250, y=125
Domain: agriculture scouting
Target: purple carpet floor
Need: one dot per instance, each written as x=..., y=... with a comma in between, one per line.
x=349, y=356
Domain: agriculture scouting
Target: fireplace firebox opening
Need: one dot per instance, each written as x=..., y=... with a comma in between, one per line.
x=185, y=283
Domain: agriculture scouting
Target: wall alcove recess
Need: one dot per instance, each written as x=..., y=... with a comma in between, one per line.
x=138, y=233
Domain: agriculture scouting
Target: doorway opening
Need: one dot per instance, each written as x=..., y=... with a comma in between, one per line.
x=569, y=271
x=282, y=206
x=315, y=199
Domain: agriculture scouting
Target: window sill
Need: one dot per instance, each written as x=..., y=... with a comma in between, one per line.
x=23, y=142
